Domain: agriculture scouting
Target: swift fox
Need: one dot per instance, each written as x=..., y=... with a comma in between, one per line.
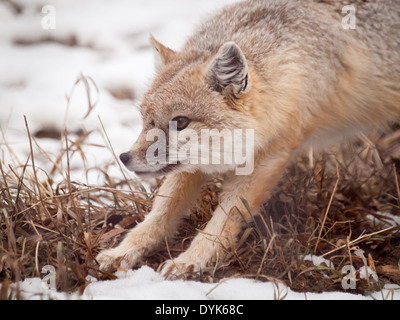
x=286, y=69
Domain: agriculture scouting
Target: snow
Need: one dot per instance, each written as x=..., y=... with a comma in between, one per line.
x=113, y=49
x=145, y=284
x=318, y=261
x=385, y=218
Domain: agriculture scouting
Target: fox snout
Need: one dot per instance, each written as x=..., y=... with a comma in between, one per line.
x=135, y=161
x=131, y=161
x=141, y=169
x=125, y=158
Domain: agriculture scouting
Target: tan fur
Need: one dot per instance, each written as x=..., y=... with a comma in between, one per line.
x=286, y=69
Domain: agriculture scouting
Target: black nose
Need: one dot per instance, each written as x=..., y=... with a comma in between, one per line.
x=125, y=158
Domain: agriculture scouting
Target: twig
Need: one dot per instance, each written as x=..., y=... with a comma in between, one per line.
x=172, y=259
x=7, y=188
x=264, y=256
x=34, y=169
x=328, y=208
x=358, y=240
x=37, y=258
x=114, y=155
x=68, y=165
x=396, y=180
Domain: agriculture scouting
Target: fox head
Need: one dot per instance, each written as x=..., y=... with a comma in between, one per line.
x=194, y=115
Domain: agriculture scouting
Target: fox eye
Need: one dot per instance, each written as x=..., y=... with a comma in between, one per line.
x=181, y=122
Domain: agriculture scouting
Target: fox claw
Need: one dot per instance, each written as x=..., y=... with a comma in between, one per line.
x=114, y=259
x=173, y=269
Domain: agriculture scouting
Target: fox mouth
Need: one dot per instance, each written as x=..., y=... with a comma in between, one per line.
x=154, y=174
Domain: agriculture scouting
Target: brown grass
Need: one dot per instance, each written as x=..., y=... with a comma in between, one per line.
x=323, y=205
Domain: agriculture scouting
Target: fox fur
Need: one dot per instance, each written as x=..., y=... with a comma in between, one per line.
x=285, y=68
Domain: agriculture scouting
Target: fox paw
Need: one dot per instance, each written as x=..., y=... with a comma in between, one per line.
x=178, y=269
x=114, y=259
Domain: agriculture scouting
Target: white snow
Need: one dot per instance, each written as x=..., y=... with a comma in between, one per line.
x=112, y=49
x=145, y=283
x=367, y=272
x=318, y=261
x=386, y=219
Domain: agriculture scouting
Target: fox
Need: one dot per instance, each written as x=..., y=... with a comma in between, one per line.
x=291, y=71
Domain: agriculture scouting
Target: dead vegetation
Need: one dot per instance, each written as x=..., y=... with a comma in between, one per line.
x=340, y=204
x=331, y=205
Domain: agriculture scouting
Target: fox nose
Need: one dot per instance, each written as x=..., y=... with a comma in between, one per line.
x=125, y=158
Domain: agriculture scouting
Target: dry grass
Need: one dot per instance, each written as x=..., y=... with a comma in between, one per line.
x=323, y=206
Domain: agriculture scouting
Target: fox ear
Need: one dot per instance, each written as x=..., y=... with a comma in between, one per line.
x=163, y=55
x=229, y=71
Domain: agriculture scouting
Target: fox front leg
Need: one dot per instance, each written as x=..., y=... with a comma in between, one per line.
x=176, y=196
x=222, y=230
